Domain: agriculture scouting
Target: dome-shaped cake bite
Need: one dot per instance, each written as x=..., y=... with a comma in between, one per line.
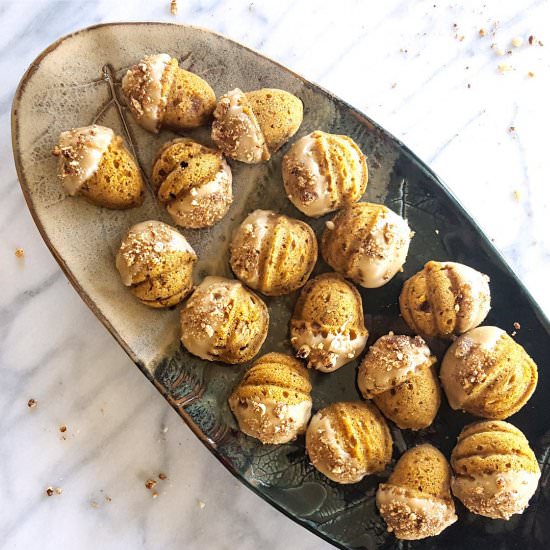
x=367, y=243
x=416, y=501
x=156, y=262
x=397, y=373
x=327, y=327
x=273, y=253
x=160, y=94
x=486, y=373
x=445, y=299
x=272, y=402
x=224, y=321
x=94, y=163
x=347, y=441
x=194, y=182
x=324, y=172
x=495, y=471
x=251, y=126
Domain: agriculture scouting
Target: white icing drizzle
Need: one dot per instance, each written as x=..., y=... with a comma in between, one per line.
x=142, y=86
x=81, y=150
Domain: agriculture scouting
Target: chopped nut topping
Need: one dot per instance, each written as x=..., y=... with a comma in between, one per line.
x=19, y=253
x=174, y=7
x=150, y=483
x=32, y=403
x=63, y=428
x=482, y=32
x=517, y=42
x=162, y=476
x=49, y=491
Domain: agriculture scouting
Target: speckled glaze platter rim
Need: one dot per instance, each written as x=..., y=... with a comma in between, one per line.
x=362, y=118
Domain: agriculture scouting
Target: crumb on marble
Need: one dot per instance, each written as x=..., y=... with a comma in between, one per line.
x=58, y=490
x=19, y=253
x=94, y=504
x=482, y=32
x=517, y=42
x=201, y=504
x=503, y=68
x=498, y=51
x=174, y=7
x=63, y=428
x=154, y=494
x=517, y=195
x=150, y=483
x=49, y=491
x=31, y=403
x=108, y=499
x=163, y=476
x=517, y=326
x=530, y=74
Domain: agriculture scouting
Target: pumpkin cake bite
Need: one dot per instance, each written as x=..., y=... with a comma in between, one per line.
x=193, y=182
x=161, y=94
x=272, y=402
x=94, y=163
x=156, y=262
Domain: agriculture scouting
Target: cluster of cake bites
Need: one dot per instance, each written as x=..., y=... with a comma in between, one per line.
x=484, y=372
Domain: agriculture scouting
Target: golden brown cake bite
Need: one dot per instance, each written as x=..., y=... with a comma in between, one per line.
x=327, y=327
x=273, y=400
x=495, y=471
x=94, y=163
x=347, y=441
x=251, y=126
x=397, y=373
x=224, y=321
x=486, y=373
x=160, y=94
x=324, y=172
x=156, y=262
x=367, y=243
x=273, y=253
x=194, y=182
x=416, y=501
x=445, y=299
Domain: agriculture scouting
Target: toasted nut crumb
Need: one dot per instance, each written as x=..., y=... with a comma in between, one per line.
x=517, y=326
x=531, y=40
x=201, y=504
x=330, y=225
x=58, y=490
x=482, y=32
x=497, y=50
x=517, y=42
x=503, y=68
x=49, y=491
x=63, y=428
x=19, y=253
x=162, y=476
x=174, y=7
x=108, y=498
x=530, y=74
x=150, y=483
x=154, y=494
x=94, y=504
x=517, y=195
x=31, y=403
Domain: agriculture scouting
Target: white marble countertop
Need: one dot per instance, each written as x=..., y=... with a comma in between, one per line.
x=423, y=71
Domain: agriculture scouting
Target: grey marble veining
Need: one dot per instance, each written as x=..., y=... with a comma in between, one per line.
x=401, y=62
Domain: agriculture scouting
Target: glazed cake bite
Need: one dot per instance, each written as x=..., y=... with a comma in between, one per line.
x=416, y=501
x=495, y=471
x=367, y=243
x=324, y=172
x=272, y=253
x=156, y=262
x=160, y=94
x=194, y=182
x=486, y=373
x=94, y=163
x=251, y=126
x=445, y=299
x=327, y=327
x=347, y=441
x=272, y=402
x=224, y=321
x=397, y=373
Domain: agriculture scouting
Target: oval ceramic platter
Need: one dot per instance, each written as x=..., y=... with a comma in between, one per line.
x=76, y=82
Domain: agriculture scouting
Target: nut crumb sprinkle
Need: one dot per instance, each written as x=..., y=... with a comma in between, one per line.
x=63, y=428
x=482, y=32
x=154, y=494
x=517, y=195
x=531, y=74
x=517, y=42
x=201, y=504
x=19, y=253
x=150, y=483
x=517, y=326
x=49, y=491
x=162, y=476
x=31, y=403
x=174, y=7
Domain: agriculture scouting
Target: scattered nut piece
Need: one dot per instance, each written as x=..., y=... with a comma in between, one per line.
x=330, y=225
x=531, y=40
x=174, y=7
x=162, y=476
x=201, y=504
x=94, y=504
x=517, y=326
x=150, y=483
x=482, y=32
x=58, y=490
x=19, y=253
x=63, y=428
x=497, y=50
x=530, y=74
x=504, y=68
x=517, y=195
x=108, y=498
x=31, y=403
x=154, y=494
x=49, y=491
